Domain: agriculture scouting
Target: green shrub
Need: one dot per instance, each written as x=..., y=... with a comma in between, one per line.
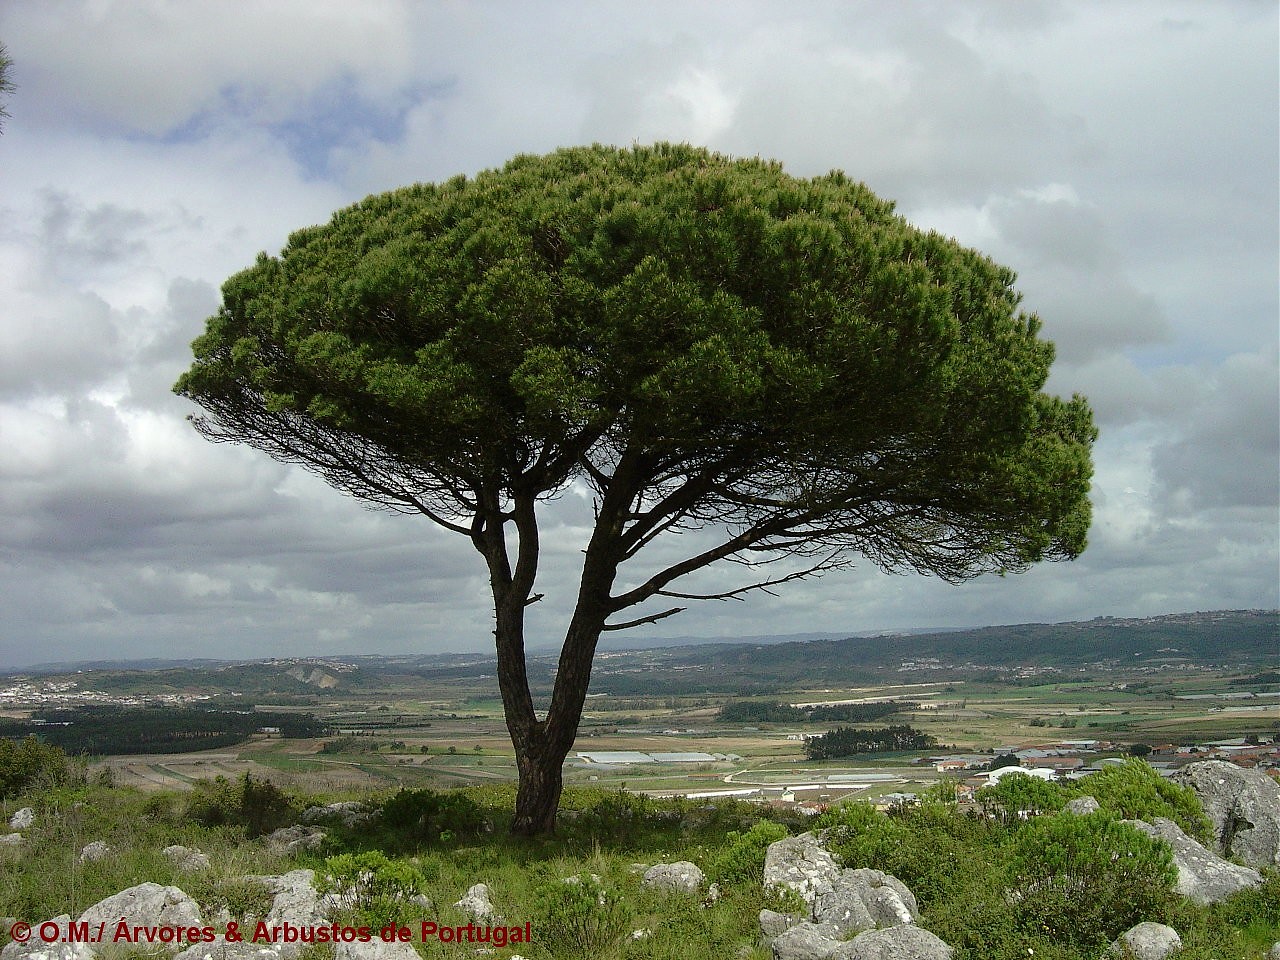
x=30, y=765
x=1134, y=790
x=1017, y=796
x=742, y=859
x=259, y=806
x=1086, y=879
x=578, y=917
x=376, y=889
x=425, y=816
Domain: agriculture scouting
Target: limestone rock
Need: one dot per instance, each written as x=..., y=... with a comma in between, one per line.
x=146, y=905
x=681, y=875
x=37, y=949
x=1083, y=805
x=773, y=924
x=222, y=950
x=11, y=840
x=97, y=850
x=1274, y=952
x=376, y=949
x=864, y=900
x=806, y=941
x=1147, y=941
x=186, y=859
x=906, y=942
x=295, y=900
x=1203, y=876
x=477, y=903
x=1244, y=806
x=24, y=819
x=349, y=814
x=801, y=864
x=295, y=838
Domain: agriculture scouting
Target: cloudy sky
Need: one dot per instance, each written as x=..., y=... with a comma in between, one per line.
x=1121, y=157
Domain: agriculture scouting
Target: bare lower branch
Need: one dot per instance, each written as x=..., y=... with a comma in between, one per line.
x=832, y=562
x=653, y=618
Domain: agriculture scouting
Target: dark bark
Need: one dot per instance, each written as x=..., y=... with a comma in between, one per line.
x=542, y=745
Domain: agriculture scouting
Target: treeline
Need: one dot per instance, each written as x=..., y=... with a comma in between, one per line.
x=848, y=741
x=769, y=711
x=103, y=729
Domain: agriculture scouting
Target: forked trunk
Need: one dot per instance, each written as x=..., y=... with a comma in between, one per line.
x=538, y=797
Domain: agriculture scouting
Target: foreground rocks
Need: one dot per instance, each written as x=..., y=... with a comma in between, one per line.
x=1244, y=807
x=145, y=905
x=1147, y=941
x=681, y=875
x=877, y=907
x=1203, y=876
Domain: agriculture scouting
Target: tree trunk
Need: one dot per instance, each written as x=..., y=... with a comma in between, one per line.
x=538, y=797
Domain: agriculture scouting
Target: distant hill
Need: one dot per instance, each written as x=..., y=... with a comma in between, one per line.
x=1226, y=638
x=1235, y=639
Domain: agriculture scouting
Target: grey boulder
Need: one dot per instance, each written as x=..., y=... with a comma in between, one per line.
x=865, y=900
x=1082, y=805
x=801, y=864
x=37, y=949
x=1147, y=941
x=907, y=942
x=1203, y=876
x=476, y=902
x=376, y=949
x=681, y=875
x=147, y=905
x=186, y=859
x=22, y=819
x=1244, y=807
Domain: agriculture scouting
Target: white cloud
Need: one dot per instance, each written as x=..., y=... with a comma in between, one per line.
x=156, y=147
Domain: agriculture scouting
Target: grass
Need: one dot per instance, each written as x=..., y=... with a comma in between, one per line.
x=954, y=864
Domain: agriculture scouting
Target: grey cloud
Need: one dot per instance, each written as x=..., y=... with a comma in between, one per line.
x=1228, y=450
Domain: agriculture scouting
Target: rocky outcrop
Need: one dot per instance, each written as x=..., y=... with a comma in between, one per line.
x=1244, y=807
x=23, y=819
x=186, y=859
x=149, y=906
x=37, y=949
x=1083, y=806
x=878, y=907
x=296, y=838
x=97, y=850
x=376, y=949
x=894, y=943
x=348, y=814
x=1203, y=876
x=1146, y=941
x=295, y=900
x=222, y=950
x=805, y=941
x=476, y=902
x=11, y=839
x=801, y=864
x=681, y=875
x=865, y=900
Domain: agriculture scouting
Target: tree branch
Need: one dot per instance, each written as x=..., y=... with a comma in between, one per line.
x=652, y=618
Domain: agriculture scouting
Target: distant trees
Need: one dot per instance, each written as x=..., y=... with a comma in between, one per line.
x=101, y=730
x=848, y=741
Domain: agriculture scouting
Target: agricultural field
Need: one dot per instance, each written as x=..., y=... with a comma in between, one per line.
x=446, y=736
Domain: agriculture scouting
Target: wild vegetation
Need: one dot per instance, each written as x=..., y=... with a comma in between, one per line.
x=1000, y=887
